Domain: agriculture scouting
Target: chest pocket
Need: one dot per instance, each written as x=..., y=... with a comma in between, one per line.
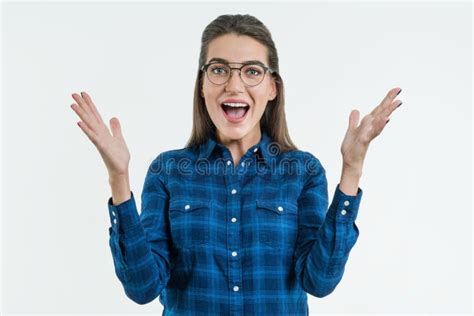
x=278, y=223
x=189, y=222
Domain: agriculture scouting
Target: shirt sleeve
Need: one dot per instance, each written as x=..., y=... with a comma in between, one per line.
x=140, y=244
x=325, y=236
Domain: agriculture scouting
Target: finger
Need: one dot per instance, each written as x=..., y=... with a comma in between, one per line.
x=382, y=121
x=354, y=119
x=391, y=95
x=90, y=134
x=84, y=117
x=88, y=99
x=84, y=106
x=115, y=127
x=393, y=106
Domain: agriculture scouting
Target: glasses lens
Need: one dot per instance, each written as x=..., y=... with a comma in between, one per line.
x=252, y=74
x=218, y=73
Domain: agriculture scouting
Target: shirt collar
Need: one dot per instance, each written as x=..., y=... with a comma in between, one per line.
x=263, y=147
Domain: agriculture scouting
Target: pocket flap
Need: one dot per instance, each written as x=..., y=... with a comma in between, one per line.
x=185, y=205
x=279, y=207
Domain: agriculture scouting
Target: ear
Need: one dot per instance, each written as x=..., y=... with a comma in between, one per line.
x=273, y=91
x=202, y=87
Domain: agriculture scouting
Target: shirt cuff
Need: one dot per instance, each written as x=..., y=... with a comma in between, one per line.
x=123, y=216
x=344, y=208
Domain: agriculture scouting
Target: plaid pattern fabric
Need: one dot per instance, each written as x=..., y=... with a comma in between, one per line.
x=214, y=238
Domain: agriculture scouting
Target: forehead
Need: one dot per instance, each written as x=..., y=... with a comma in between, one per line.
x=237, y=48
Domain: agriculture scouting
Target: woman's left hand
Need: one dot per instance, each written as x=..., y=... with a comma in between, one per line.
x=357, y=139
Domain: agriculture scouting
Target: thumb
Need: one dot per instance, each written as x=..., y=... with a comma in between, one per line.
x=115, y=127
x=354, y=119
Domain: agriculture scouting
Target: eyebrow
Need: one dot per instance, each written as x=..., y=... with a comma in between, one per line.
x=222, y=60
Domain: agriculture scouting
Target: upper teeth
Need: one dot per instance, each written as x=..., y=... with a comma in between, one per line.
x=236, y=104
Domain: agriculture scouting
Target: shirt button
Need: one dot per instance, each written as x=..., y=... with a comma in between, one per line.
x=243, y=164
x=234, y=253
x=234, y=191
x=113, y=213
x=280, y=208
x=255, y=150
x=236, y=288
x=343, y=212
x=115, y=221
x=234, y=219
x=187, y=207
x=346, y=203
x=228, y=162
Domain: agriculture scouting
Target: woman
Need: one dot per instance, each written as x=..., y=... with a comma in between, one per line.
x=237, y=221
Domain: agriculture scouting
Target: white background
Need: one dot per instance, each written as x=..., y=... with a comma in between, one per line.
x=138, y=62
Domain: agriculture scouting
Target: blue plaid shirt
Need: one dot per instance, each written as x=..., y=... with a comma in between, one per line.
x=217, y=239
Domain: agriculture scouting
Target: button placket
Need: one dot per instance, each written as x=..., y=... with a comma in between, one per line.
x=233, y=176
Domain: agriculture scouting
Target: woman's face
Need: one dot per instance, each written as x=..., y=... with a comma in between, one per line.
x=237, y=49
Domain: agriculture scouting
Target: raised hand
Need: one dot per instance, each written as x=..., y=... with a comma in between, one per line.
x=358, y=137
x=111, y=146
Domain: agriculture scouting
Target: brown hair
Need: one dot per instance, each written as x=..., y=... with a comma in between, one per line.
x=238, y=24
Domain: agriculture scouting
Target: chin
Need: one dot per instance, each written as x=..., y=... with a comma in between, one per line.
x=233, y=133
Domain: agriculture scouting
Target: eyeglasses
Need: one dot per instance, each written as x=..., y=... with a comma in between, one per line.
x=219, y=73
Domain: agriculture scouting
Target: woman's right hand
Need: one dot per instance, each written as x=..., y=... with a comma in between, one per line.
x=111, y=146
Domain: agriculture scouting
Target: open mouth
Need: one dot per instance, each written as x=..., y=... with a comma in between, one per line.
x=235, y=112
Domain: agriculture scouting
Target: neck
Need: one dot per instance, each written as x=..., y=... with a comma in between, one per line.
x=239, y=146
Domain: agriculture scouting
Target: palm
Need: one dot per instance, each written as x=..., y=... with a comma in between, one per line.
x=358, y=137
x=111, y=145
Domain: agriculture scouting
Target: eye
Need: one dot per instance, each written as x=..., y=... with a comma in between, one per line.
x=218, y=69
x=253, y=71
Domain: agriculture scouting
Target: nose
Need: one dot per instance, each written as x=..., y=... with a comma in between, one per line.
x=235, y=82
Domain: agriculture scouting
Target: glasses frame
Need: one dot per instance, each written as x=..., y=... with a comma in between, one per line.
x=265, y=70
